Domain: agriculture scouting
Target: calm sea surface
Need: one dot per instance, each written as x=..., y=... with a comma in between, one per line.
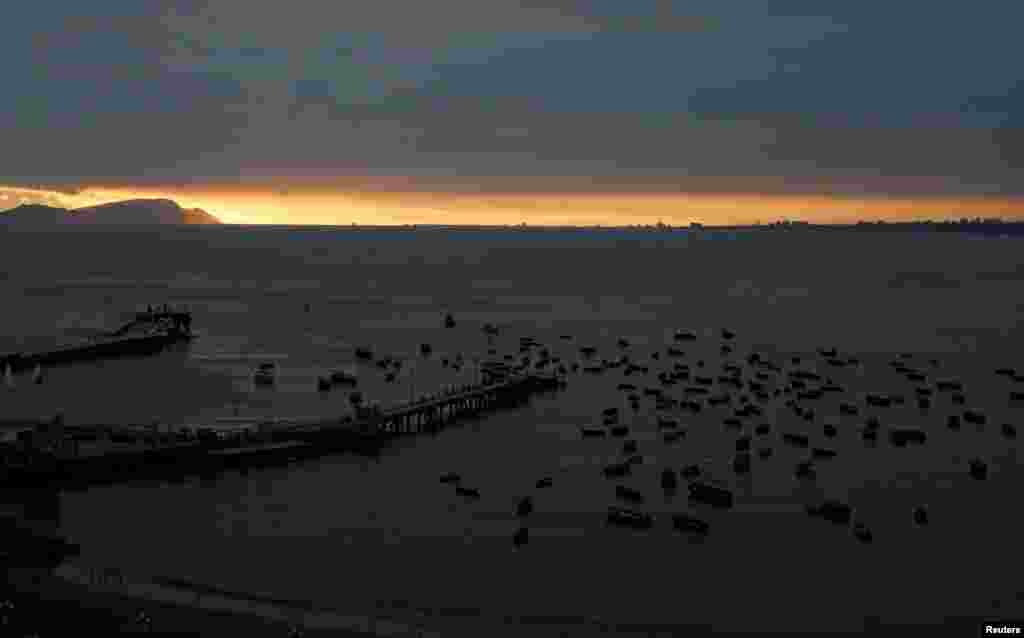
x=363, y=534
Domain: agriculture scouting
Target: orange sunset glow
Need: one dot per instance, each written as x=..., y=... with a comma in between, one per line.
x=237, y=205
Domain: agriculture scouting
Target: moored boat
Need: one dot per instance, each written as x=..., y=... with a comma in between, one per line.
x=629, y=518
x=265, y=374
x=344, y=377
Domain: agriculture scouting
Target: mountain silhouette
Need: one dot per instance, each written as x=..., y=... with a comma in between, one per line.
x=34, y=214
x=128, y=212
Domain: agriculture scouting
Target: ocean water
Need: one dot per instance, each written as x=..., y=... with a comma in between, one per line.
x=386, y=535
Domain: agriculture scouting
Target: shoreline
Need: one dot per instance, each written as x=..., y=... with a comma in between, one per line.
x=45, y=594
x=53, y=602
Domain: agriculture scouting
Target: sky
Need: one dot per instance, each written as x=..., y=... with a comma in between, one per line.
x=509, y=111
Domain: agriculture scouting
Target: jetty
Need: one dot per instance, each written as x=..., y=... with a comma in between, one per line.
x=147, y=333
x=51, y=455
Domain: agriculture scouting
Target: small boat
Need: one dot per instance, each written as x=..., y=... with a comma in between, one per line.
x=805, y=470
x=796, y=440
x=878, y=400
x=741, y=463
x=863, y=533
x=690, y=472
x=690, y=524
x=525, y=507
x=673, y=436
x=363, y=353
x=920, y=514
x=628, y=494
x=617, y=470
x=344, y=377
x=521, y=537
x=900, y=437
x=711, y=495
x=265, y=374
x=629, y=518
x=978, y=469
x=669, y=480
x=831, y=510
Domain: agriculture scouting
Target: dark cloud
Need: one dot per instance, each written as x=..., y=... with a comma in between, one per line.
x=726, y=95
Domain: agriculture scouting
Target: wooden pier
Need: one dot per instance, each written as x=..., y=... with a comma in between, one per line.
x=147, y=333
x=278, y=444
x=432, y=415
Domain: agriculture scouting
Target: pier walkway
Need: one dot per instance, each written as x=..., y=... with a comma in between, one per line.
x=271, y=443
x=431, y=415
x=147, y=333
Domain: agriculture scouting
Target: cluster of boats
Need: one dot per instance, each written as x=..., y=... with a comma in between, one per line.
x=266, y=374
